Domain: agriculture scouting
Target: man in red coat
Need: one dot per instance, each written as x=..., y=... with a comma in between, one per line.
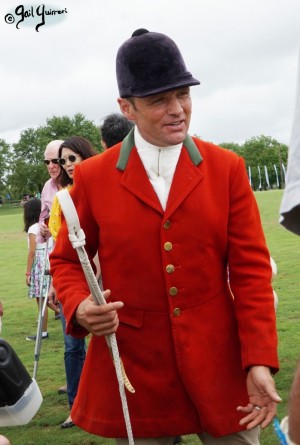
x=172, y=217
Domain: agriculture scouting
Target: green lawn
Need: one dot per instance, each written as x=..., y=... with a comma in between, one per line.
x=21, y=315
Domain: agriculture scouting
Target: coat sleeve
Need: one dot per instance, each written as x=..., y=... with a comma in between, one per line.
x=250, y=276
x=68, y=277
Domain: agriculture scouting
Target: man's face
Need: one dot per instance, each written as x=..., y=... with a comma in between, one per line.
x=53, y=169
x=162, y=119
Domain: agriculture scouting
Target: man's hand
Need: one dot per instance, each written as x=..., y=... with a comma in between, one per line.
x=45, y=231
x=263, y=398
x=99, y=320
x=52, y=300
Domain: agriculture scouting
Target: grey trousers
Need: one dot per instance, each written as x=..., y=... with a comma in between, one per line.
x=250, y=437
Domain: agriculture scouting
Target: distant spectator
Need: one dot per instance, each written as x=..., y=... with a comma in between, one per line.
x=24, y=199
x=50, y=188
x=114, y=129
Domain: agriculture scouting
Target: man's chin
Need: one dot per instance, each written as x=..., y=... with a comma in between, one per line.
x=177, y=138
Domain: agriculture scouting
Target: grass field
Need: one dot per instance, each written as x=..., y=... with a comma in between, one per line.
x=21, y=315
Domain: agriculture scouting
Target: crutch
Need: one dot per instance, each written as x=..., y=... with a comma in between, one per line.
x=77, y=239
x=42, y=309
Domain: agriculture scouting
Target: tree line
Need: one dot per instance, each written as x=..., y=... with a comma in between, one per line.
x=22, y=170
x=265, y=159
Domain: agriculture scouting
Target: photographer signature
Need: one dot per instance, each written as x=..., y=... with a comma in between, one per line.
x=21, y=14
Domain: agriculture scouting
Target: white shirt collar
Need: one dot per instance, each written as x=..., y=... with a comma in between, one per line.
x=142, y=144
x=159, y=163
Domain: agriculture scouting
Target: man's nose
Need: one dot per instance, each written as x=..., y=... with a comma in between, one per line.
x=174, y=106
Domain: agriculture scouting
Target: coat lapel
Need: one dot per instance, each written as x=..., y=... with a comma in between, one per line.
x=135, y=179
x=186, y=177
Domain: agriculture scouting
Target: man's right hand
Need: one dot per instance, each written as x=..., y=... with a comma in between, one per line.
x=99, y=319
x=44, y=229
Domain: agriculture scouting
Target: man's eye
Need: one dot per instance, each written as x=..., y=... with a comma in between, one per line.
x=157, y=101
x=183, y=95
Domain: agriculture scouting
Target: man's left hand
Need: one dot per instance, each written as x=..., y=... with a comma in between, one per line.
x=263, y=398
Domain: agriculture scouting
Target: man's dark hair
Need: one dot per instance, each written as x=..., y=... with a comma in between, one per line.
x=114, y=129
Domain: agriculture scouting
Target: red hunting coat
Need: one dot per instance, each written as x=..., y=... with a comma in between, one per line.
x=185, y=342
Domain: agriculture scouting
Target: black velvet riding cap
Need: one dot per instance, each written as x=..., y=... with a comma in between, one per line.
x=150, y=63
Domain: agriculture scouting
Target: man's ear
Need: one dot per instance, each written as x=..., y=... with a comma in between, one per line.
x=103, y=144
x=126, y=108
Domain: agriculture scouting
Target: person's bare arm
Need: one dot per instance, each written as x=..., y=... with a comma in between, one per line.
x=30, y=256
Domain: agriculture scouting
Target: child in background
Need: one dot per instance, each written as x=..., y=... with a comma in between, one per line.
x=35, y=260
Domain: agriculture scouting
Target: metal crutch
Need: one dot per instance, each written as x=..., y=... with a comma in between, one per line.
x=42, y=309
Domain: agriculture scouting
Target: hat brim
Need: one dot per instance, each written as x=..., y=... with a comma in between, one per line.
x=151, y=90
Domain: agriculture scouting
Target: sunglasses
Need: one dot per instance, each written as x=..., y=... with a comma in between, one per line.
x=47, y=161
x=71, y=158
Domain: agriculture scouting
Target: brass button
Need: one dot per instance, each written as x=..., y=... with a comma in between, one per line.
x=167, y=224
x=176, y=312
x=168, y=246
x=173, y=291
x=170, y=268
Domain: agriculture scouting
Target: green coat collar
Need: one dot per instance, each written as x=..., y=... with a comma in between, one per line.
x=128, y=144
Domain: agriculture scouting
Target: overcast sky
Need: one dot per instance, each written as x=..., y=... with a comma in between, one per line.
x=244, y=52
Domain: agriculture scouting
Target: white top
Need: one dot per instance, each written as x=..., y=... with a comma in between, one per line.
x=32, y=229
x=159, y=163
x=290, y=204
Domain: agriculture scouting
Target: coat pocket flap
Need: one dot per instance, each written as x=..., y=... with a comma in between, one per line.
x=132, y=317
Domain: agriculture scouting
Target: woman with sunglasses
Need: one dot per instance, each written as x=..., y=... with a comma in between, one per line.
x=72, y=151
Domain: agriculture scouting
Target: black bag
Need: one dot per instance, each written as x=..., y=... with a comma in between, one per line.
x=20, y=397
